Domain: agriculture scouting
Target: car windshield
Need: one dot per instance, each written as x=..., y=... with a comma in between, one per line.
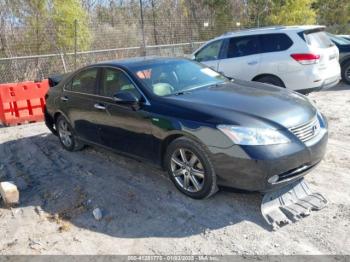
x=339, y=40
x=171, y=77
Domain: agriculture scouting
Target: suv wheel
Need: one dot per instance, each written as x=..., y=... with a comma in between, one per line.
x=190, y=168
x=66, y=135
x=273, y=80
x=345, y=72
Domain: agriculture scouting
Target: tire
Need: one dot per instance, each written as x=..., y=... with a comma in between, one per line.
x=273, y=80
x=345, y=72
x=201, y=172
x=73, y=144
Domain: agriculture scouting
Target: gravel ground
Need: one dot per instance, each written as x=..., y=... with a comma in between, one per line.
x=142, y=211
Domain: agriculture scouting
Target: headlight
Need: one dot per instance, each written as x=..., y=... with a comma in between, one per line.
x=253, y=136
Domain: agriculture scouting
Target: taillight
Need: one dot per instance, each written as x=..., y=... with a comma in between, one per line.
x=306, y=59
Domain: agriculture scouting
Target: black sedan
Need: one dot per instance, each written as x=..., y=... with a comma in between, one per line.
x=205, y=129
x=343, y=45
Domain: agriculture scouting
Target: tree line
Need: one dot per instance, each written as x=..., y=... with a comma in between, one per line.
x=31, y=27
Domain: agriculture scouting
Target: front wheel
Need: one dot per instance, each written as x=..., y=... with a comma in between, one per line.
x=190, y=168
x=345, y=72
x=66, y=135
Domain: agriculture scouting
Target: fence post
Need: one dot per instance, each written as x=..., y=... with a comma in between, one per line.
x=75, y=42
x=143, y=48
x=189, y=26
x=63, y=63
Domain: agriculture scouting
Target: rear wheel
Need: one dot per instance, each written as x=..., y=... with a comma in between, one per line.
x=345, y=72
x=190, y=168
x=269, y=79
x=66, y=135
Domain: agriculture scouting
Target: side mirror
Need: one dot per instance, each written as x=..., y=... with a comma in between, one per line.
x=126, y=97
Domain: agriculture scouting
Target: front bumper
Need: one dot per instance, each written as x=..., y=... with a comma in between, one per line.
x=250, y=167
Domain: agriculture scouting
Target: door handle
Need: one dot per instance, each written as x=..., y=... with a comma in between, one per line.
x=64, y=98
x=99, y=106
x=252, y=62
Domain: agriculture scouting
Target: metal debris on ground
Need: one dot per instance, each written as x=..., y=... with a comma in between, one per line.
x=290, y=204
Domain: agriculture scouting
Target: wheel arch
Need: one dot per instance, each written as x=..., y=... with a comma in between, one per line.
x=60, y=113
x=344, y=60
x=168, y=139
x=255, y=78
x=56, y=115
x=344, y=68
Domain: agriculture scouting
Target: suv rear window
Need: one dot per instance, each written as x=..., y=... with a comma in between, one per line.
x=275, y=42
x=317, y=39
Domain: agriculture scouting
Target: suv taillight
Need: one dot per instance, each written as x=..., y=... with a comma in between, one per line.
x=306, y=59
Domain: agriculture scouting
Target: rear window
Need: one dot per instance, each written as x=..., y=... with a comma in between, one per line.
x=275, y=42
x=318, y=39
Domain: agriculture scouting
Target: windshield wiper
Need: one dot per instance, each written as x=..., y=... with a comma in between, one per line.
x=195, y=88
x=181, y=93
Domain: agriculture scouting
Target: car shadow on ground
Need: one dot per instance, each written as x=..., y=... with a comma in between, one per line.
x=341, y=86
x=137, y=200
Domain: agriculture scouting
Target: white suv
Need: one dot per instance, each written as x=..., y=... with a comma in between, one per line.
x=301, y=58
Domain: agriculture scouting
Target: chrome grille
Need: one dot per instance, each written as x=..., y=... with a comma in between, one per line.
x=307, y=130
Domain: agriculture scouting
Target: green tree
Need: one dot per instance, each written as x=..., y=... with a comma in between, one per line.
x=291, y=12
x=35, y=17
x=256, y=12
x=222, y=18
x=63, y=15
x=335, y=14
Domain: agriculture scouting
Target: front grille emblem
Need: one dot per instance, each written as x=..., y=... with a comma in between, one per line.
x=308, y=130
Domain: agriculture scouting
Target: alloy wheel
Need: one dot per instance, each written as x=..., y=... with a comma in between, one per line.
x=187, y=170
x=65, y=133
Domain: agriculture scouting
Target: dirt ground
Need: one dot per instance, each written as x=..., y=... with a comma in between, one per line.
x=143, y=213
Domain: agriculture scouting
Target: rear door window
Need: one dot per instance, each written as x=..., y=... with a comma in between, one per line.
x=114, y=81
x=318, y=39
x=243, y=46
x=275, y=42
x=210, y=52
x=84, y=82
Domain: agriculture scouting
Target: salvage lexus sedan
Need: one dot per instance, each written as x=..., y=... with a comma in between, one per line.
x=205, y=129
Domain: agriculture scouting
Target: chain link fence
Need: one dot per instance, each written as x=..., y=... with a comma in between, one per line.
x=31, y=55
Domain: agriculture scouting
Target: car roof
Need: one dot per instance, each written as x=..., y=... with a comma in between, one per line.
x=139, y=61
x=268, y=30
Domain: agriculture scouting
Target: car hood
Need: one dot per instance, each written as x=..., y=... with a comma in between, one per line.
x=248, y=103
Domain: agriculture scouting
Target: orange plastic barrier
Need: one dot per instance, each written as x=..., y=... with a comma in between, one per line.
x=22, y=102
